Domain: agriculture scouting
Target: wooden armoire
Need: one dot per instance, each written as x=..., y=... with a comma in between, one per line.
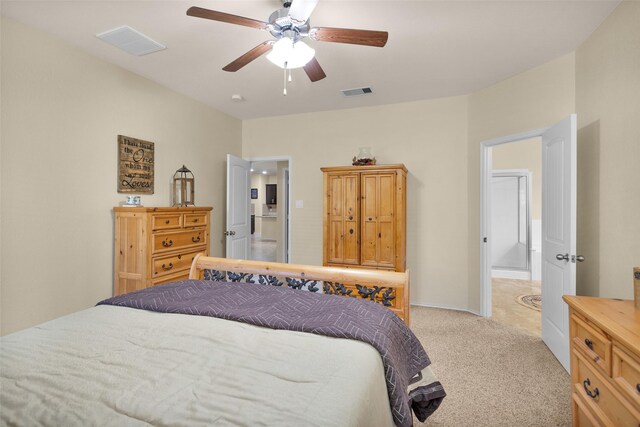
x=365, y=216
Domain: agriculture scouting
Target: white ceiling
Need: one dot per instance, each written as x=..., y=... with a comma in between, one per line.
x=435, y=48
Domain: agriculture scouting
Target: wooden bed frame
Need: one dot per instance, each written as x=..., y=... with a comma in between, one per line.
x=384, y=287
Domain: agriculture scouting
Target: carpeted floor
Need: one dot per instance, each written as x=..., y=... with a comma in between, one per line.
x=494, y=375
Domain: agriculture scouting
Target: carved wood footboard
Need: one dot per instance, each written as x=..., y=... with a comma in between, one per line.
x=388, y=288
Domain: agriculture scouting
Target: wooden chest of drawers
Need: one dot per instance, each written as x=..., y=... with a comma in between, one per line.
x=157, y=245
x=605, y=361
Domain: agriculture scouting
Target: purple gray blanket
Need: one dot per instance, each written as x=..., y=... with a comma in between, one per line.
x=273, y=307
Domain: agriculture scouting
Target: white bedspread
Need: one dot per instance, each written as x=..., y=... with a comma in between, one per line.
x=114, y=366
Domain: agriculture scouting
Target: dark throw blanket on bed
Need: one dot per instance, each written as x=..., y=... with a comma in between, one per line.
x=335, y=316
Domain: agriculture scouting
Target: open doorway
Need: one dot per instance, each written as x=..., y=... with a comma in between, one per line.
x=269, y=210
x=515, y=197
x=558, y=145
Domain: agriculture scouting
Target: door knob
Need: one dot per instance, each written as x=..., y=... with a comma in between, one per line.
x=561, y=257
x=579, y=258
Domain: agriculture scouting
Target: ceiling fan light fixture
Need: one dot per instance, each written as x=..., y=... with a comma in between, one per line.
x=290, y=54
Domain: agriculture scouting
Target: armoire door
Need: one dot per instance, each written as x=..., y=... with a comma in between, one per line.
x=378, y=222
x=343, y=198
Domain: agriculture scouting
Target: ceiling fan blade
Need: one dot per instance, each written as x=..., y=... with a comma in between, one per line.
x=225, y=17
x=346, y=35
x=314, y=70
x=301, y=10
x=254, y=53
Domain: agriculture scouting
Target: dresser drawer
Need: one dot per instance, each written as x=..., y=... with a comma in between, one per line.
x=199, y=219
x=626, y=374
x=183, y=275
x=592, y=343
x=166, y=221
x=582, y=417
x=171, y=264
x=601, y=398
x=165, y=242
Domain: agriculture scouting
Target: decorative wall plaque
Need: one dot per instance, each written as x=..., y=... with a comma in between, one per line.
x=135, y=165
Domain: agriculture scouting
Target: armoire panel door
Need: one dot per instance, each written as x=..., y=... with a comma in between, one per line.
x=336, y=225
x=386, y=255
x=351, y=236
x=344, y=233
x=369, y=206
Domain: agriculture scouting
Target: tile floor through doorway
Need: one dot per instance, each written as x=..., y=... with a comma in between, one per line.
x=263, y=250
x=507, y=311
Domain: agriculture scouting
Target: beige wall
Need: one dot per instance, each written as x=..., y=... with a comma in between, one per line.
x=608, y=107
x=429, y=137
x=62, y=110
x=522, y=155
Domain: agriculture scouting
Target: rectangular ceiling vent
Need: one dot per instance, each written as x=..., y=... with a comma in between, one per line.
x=130, y=40
x=358, y=91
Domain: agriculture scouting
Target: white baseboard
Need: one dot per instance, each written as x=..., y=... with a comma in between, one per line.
x=511, y=274
x=445, y=307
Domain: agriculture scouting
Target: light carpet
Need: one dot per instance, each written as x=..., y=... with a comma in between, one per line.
x=494, y=375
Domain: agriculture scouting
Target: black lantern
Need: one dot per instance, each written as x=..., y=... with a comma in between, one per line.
x=183, y=187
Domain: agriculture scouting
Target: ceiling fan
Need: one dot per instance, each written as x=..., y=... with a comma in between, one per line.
x=289, y=26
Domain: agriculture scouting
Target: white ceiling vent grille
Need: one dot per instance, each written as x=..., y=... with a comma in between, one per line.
x=130, y=40
x=357, y=91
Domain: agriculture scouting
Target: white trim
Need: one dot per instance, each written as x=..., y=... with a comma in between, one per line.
x=485, y=211
x=510, y=274
x=446, y=307
x=288, y=159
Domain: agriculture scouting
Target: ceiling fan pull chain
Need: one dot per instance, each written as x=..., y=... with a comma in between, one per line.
x=289, y=74
x=284, y=92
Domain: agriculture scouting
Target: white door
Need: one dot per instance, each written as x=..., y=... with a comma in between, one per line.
x=238, y=229
x=558, y=234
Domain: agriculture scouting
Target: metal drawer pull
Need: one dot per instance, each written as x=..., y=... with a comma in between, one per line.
x=195, y=240
x=638, y=387
x=167, y=243
x=592, y=394
x=164, y=267
x=589, y=343
x=195, y=220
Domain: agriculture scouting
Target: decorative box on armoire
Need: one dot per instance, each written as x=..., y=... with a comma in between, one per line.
x=157, y=245
x=365, y=216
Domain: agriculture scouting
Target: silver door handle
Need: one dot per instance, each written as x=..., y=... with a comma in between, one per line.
x=229, y=233
x=578, y=258
x=561, y=257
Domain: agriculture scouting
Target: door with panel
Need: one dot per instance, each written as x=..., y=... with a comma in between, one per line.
x=342, y=197
x=378, y=219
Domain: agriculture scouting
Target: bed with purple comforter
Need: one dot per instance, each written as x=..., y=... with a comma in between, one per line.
x=215, y=353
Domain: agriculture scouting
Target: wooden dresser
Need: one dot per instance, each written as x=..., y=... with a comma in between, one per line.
x=365, y=216
x=605, y=361
x=157, y=245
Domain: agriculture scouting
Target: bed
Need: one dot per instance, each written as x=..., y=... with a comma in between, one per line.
x=121, y=364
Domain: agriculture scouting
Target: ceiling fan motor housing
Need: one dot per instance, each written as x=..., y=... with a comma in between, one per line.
x=281, y=23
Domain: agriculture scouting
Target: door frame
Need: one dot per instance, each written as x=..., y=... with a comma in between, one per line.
x=287, y=216
x=485, y=211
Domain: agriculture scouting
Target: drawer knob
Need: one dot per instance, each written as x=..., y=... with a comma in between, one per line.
x=589, y=343
x=167, y=243
x=592, y=394
x=638, y=387
x=195, y=239
x=167, y=268
x=195, y=220
x=167, y=222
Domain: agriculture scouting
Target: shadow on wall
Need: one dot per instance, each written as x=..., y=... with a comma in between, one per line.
x=588, y=212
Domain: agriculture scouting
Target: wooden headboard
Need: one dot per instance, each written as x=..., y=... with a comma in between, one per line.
x=389, y=288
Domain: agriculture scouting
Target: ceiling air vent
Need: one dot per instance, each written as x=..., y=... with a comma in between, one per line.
x=130, y=40
x=358, y=91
